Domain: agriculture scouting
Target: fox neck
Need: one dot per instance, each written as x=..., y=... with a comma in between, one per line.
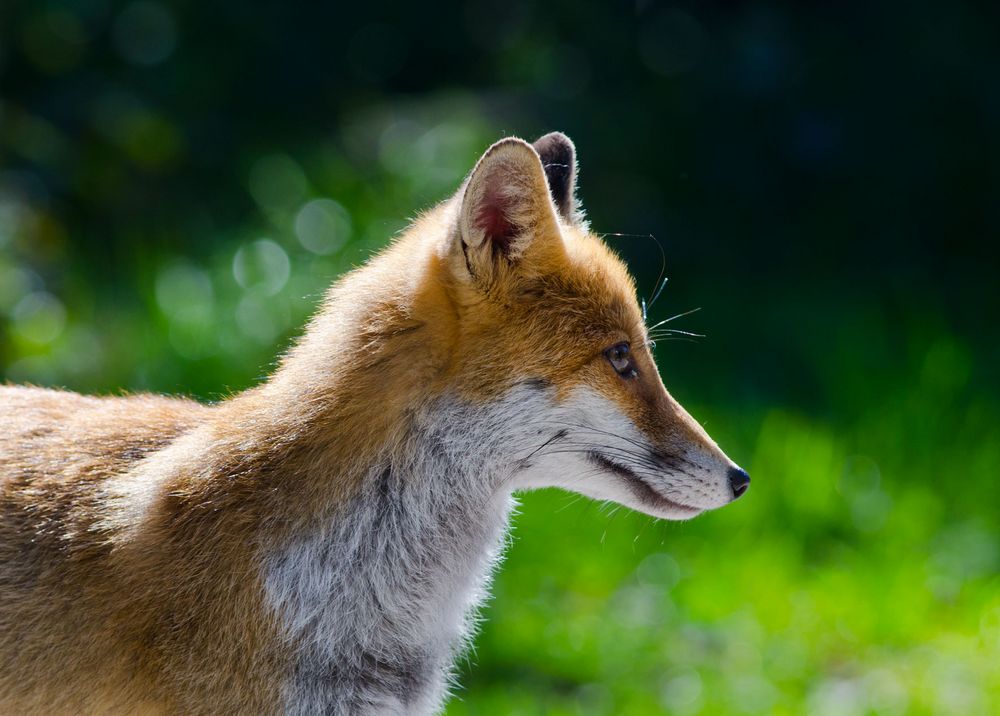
x=396, y=509
x=389, y=583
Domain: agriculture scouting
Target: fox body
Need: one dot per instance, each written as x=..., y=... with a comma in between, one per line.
x=318, y=543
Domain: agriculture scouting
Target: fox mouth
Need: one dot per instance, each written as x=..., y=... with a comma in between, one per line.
x=639, y=487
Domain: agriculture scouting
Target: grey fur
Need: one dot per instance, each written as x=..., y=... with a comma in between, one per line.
x=382, y=598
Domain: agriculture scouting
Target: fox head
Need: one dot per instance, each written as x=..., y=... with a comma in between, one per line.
x=541, y=302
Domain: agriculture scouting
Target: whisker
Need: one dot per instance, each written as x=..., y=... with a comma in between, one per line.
x=663, y=266
x=557, y=436
x=635, y=540
x=581, y=426
x=569, y=503
x=663, y=285
x=681, y=339
x=621, y=456
x=664, y=331
x=674, y=318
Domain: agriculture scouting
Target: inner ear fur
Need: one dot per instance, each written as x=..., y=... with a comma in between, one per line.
x=507, y=212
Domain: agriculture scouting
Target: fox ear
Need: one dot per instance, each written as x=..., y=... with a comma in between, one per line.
x=558, y=157
x=506, y=211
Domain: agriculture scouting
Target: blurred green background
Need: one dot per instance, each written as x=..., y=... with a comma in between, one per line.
x=180, y=181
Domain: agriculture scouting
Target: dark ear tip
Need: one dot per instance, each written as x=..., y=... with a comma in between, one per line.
x=558, y=157
x=557, y=137
x=554, y=142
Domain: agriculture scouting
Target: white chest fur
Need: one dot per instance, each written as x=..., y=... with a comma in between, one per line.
x=377, y=601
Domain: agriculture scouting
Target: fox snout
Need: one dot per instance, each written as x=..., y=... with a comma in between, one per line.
x=739, y=481
x=687, y=466
x=702, y=468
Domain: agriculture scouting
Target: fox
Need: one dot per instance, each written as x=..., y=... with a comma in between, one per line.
x=320, y=542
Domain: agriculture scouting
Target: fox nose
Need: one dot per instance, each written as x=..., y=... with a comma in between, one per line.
x=739, y=481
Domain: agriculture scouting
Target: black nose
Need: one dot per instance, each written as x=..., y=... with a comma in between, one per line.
x=739, y=481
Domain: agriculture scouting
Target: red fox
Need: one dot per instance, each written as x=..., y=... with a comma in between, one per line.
x=319, y=543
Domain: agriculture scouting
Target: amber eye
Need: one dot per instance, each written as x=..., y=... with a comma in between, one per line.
x=618, y=357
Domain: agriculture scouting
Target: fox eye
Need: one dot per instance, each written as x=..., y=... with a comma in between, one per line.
x=619, y=358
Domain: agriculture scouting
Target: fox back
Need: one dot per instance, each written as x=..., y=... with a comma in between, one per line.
x=319, y=543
